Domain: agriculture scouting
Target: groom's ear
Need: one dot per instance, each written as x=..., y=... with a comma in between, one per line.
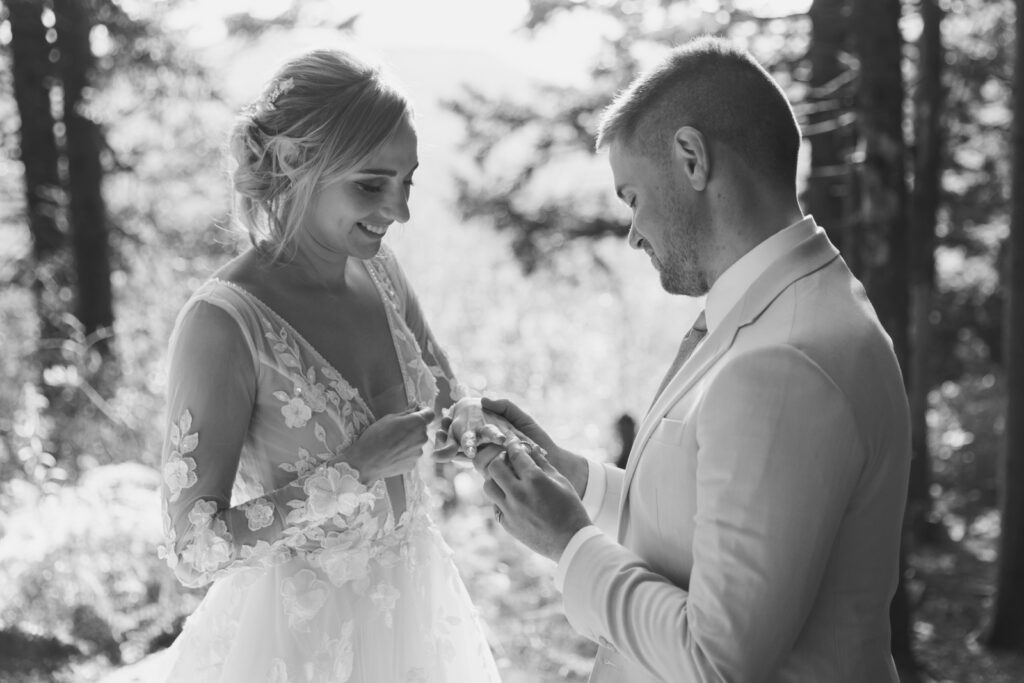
x=691, y=152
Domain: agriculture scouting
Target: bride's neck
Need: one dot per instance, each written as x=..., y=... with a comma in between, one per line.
x=319, y=266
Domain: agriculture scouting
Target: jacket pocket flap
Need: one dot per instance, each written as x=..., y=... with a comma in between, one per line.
x=669, y=431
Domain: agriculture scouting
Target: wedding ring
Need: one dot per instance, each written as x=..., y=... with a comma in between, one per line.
x=515, y=442
x=469, y=444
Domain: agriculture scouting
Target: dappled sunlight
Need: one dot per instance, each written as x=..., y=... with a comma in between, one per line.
x=516, y=251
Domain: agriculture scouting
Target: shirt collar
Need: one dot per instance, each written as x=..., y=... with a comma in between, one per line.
x=731, y=285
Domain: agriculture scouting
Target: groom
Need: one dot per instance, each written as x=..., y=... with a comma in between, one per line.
x=754, y=533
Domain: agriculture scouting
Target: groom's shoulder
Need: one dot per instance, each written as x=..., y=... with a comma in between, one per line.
x=827, y=316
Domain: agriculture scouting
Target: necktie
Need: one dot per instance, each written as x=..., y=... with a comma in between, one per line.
x=686, y=347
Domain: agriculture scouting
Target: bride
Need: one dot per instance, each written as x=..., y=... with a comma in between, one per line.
x=302, y=381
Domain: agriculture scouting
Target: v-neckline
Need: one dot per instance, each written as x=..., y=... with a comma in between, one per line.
x=377, y=286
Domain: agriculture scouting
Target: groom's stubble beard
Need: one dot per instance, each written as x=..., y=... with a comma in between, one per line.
x=680, y=270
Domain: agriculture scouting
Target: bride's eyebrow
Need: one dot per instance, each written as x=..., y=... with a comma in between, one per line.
x=389, y=172
x=379, y=171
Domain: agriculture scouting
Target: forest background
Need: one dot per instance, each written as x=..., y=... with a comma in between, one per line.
x=114, y=206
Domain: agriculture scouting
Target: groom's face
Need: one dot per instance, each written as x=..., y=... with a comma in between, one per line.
x=666, y=220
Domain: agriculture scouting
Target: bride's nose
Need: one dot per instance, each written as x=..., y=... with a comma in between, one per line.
x=397, y=207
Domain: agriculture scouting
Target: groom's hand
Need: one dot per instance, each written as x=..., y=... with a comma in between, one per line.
x=572, y=466
x=538, y=505
x=467, y=431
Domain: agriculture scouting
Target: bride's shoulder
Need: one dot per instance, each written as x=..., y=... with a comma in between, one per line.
x=232, y=287
x=243, y=270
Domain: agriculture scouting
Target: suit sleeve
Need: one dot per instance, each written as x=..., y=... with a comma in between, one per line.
x=778, y=458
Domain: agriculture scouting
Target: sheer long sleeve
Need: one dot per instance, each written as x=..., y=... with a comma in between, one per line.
x=449, y=388
x=211, y=403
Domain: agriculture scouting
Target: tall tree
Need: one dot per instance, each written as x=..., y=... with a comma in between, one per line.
x=882, y=242
x=84, y=147
x=883, y=237
x=929, y=97
x=1006, y=630
x=828, y=108
x=33, y=79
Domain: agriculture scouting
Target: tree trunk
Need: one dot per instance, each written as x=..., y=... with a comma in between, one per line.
x=884, y=224
x=884, y=234
x=33, y=79
x=1006, y=629
x=830, y=141
x=84, y=143
x=928, y=104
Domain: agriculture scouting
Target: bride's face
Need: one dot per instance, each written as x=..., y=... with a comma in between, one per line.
x=351, y=215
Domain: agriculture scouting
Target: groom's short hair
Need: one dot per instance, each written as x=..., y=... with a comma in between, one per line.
x=717, y=88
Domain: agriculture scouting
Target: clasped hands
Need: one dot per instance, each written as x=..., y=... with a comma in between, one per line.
x=535, y=486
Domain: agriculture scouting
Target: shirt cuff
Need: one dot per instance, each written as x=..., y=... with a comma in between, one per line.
x=575, y=543
x=597, y=484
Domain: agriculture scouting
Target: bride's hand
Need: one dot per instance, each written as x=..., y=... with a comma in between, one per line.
x=467, y=428
x=391, y=445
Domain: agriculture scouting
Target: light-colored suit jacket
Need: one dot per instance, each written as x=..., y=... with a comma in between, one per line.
x=754, y=535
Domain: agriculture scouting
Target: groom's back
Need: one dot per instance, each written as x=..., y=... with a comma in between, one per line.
x=848, y=625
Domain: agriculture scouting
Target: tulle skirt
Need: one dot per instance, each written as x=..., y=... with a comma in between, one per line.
x=403, y=617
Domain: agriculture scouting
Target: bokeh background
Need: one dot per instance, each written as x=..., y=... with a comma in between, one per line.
x=115, y=206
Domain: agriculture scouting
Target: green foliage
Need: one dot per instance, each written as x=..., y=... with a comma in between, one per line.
x=967, y=421
x=79, y=562
x=536, y=175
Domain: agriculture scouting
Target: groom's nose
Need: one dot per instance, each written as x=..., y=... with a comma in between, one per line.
x=634, y=237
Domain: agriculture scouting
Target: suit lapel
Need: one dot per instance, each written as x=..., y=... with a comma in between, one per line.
x=809, y=256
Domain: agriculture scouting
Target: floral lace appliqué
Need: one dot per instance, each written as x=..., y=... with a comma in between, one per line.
x=278, y=672
x=303, y=595
x=179, y=472
x=210, y=546
x=259, y=514
x=333, y=491
x=296, y=412
x=335, y=657
x=385, y=597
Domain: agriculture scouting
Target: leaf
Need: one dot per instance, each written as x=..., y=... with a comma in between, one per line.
x=321, y=435
x=185, y=422
x=189, y=443
x=282, y=396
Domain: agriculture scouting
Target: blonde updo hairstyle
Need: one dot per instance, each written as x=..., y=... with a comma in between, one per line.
x=319, y=116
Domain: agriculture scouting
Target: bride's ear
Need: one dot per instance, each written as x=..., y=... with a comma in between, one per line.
x=691, y=152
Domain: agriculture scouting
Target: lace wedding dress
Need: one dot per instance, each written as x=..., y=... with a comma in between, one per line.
x=314, y=577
